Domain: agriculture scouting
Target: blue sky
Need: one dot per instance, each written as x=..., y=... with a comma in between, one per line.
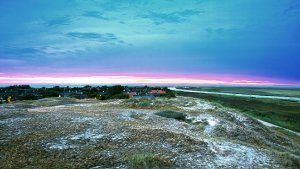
x=255, y=38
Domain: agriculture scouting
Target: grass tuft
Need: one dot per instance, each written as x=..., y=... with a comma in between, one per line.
x=149, y=161
x=172, y=114
x=289, y=160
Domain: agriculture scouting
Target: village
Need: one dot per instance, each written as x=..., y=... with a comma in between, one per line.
x=26, y=92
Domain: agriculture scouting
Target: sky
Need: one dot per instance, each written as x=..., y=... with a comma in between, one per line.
x=150, y=41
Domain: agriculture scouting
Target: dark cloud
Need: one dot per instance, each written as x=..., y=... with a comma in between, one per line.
x=94, y=14
x=188, y=12
x=58, y=21
x=20, y=51
x=105, y=37
x=172, y=17
x=292, y=8
x=215, y=31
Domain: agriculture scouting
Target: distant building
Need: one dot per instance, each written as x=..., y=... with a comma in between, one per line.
x=132, y=94
x=157, y=92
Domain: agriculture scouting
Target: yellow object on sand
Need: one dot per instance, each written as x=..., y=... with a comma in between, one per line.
x=8, y=99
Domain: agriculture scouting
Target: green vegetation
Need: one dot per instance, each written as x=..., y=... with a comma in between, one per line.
x=144, y=103
x=28, y=97
x=284, y=133
x=116, y=96
x=148, y=161
x=25, y=92
x=288, y=160
x=172, y=114
x=170, y=93
x=161, y=103
x=280, y=112
x=266, y=91
x=140, y=103
x=201, y=126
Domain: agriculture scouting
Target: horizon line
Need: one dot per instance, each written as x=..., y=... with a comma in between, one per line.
x=141, y=79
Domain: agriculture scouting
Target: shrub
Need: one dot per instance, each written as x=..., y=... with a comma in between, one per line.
x=172, y=114
x=144, y=103
x=116, y=96
x=28, y=97
x=114, y=90
x=120, y=96
x=201, y=126
x=103, y=97
x=170, y=93
x=289, y=160
x=148, y=161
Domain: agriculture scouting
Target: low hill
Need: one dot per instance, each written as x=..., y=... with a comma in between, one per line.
x=177, y=132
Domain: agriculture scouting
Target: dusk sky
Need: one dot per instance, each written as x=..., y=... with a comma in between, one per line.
x=150, y=41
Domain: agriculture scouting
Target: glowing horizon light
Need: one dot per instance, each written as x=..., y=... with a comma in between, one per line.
x=135, y=79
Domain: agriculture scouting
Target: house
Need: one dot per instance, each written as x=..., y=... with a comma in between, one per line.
x=132, y=94
x=157, y=92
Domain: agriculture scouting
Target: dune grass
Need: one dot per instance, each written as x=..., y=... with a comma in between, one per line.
x=148, y=161
x=172, y=114
x=279, y=112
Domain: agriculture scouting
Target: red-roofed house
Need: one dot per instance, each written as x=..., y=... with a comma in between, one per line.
x=131, y=94
x=157, y=92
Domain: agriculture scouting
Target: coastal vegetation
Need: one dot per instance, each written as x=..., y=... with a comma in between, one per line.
x=283, y=113
x=172, y=114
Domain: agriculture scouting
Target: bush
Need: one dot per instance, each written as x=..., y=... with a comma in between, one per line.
x=289, y=160
x=144, y=103
x=29, y=97
x=172, y=114
x=116, y=96
x=148, y=161
x=114, y=90
x=50, y=93
x=170, y=93
x=120, y=96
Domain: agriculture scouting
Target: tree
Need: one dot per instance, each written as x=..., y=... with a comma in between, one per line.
x=56, y=88
x=115, y=90
x=29, y=97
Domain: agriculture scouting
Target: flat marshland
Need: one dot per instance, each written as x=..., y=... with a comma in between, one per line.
x=264, y=91
x=181, y=132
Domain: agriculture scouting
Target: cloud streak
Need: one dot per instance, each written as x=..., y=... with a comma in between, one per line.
x=171, y=17
x=104, y=37
x=60, y=21
x=95, y=14
x=292, y=8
